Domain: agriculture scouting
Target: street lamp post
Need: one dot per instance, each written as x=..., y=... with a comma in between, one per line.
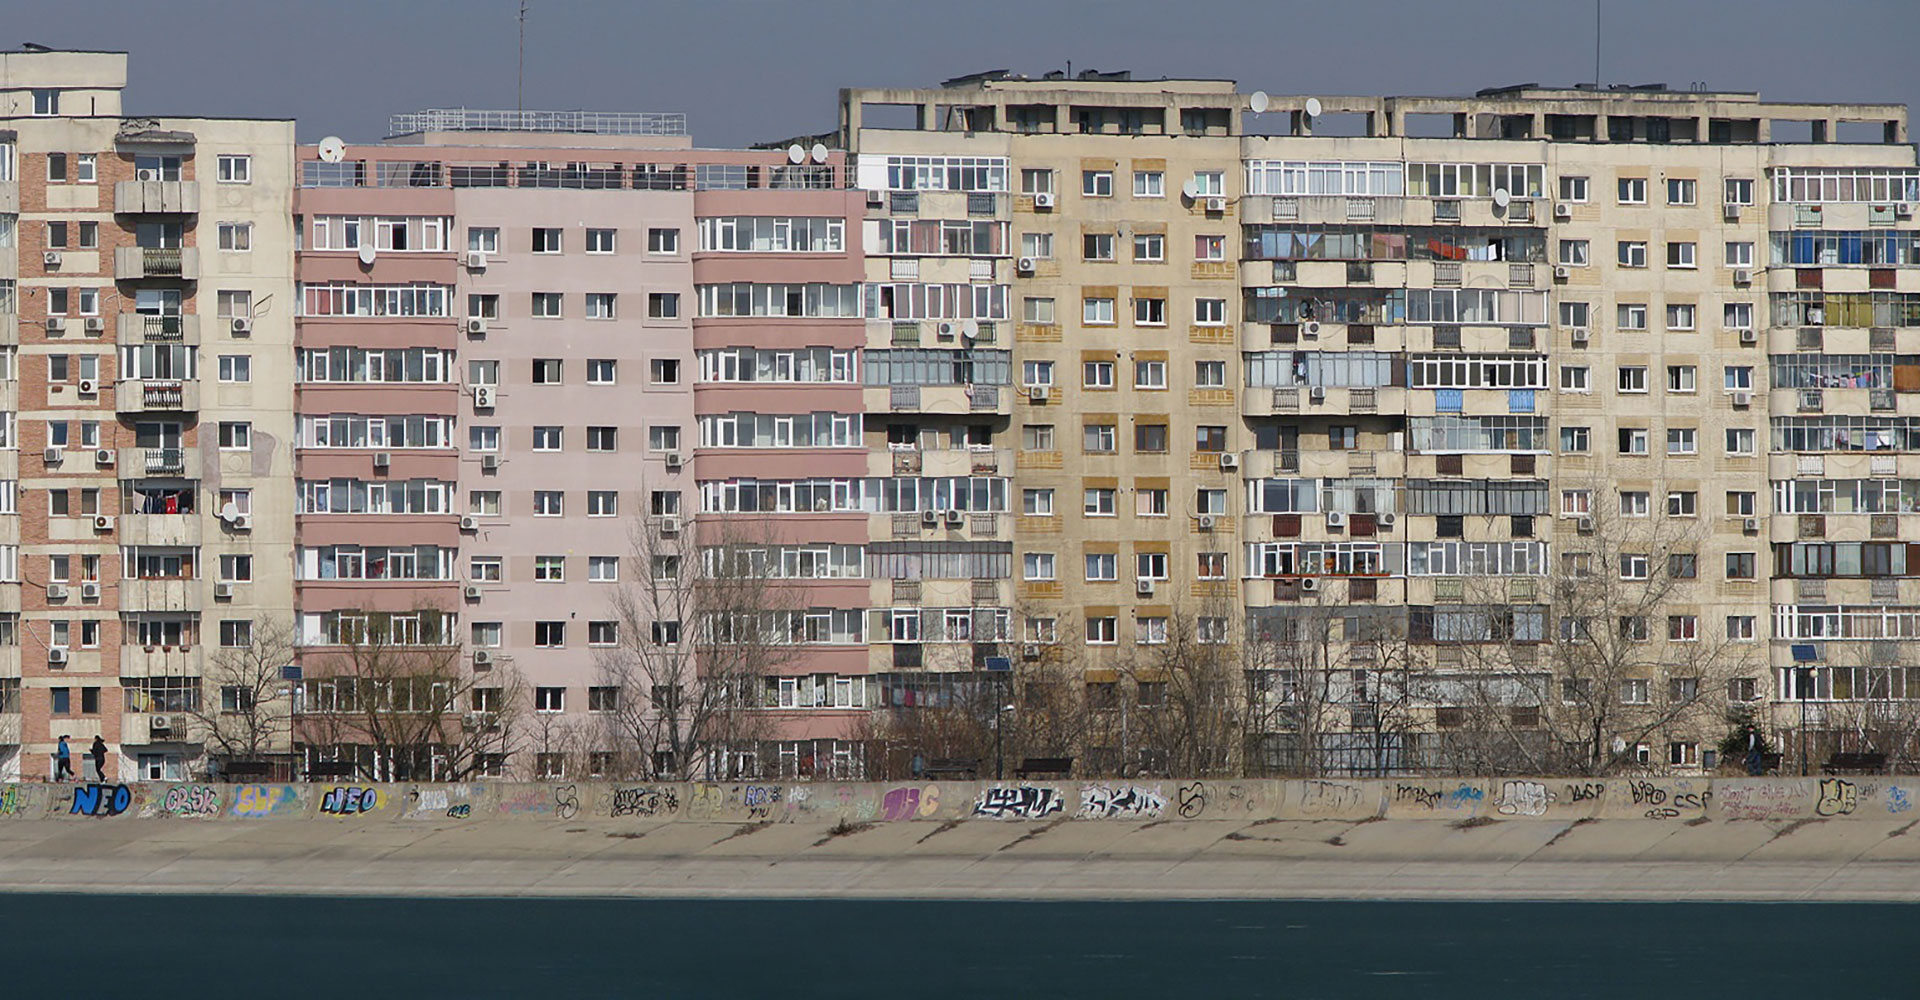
x=999, y=731
x=1805, y=677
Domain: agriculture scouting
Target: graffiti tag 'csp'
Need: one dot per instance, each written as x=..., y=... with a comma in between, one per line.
x=644, y=801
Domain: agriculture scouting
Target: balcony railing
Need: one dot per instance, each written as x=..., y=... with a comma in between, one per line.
x=134, y=263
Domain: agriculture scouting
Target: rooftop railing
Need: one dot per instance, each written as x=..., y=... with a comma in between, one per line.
x=590, y=122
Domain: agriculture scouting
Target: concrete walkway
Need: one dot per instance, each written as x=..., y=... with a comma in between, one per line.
x=1858, y=859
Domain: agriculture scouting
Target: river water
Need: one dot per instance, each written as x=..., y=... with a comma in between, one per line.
x=358, y=948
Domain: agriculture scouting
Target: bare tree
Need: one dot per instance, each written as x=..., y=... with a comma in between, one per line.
x=1326, y=685
x=399, y=701
x=1181, y=693
x=704, y=617
x=245, y=713
x=1861, y=700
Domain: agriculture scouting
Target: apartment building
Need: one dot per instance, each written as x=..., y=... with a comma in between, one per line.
x=146, y=278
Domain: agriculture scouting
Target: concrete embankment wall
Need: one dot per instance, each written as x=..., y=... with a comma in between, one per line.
x=1667, y=799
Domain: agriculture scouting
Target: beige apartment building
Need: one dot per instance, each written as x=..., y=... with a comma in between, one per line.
x=146, y=279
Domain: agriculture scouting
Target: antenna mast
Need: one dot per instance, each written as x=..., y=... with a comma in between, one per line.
x=520, y=89
x=1596, y=41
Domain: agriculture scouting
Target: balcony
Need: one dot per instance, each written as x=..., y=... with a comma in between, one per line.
x=159, y=529
x=161, y=594
x=156, y=198
x=140, y=328
x=157, y=395
x=138, y=263
x=144, y=463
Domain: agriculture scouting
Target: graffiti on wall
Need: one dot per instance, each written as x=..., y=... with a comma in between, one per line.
x=1522, y=798
x=1462, y=796
x=1018, y=802
x=94, y=799
x=1898, y=801
x=1668, y=803
x=643, y=800
x=1761, y=800
x=1326, y=798
x=1101, y=801
x=909, y=803
x=258, y=801
x=13, y=800
x=566, y=801
x=191, y=801
x=1838, y=797
x=1193, y=800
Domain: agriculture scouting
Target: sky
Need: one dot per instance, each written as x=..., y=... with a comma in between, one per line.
x=746, y=72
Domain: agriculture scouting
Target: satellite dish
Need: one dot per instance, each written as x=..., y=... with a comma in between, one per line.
x=1190, y=189
x=796, y=153
x=1501, y=197
x=333, y=149
x=366, y=253
x=1258, y=101
x=229, y=511
x=969, y=328
x=819, y=152
x=1313, y=107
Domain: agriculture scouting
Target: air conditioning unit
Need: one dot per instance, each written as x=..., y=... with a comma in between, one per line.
x=1384, y=522
x=56, y=591
x=1562, y=210
x=1742, y=276
x=473, y=592
x=1730, y=211
x=1043, y=200
x=469, y=523
x=669, y=524
x=241, y=326
x=956, y=518
x=103, y=522
x=876, y=198
x=1751, y=526
x=1030, y=651
x=1309, y=584
x=1310, y=329
x=1903, y=209
x=1039, y=393
x=1336, y=519
x=489, y=463
x=947, y=331
x=482, y=658
x=1206, y=522
x=382, y=459
x=1317, y=393
x=89, y=386
x=89, y=591
x=159, y=727
x=56, y=654
x=1743, y=399
x=146, y=175
x=103, y=456
x=477, y=325
x=96, y=324
x=55, y=455
x=1216, y=204
x=1562, y=272
x=483, y=397
x=1024, y=265
x=477, y=260
x=1749, y=336
x=55, y=324
x=675, y=460
x=1584, y=524
x=1143, y=586
x=929, y=518
x=1229, y=461
x=51, y=258
x=223, y=591
x=243, y=522
x=1579, y=335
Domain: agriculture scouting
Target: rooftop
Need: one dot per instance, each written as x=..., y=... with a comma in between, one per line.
x=577, y=122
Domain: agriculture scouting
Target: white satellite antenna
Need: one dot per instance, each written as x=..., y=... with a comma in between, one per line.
x=1313, y=107
x=819, y=152
x=1191, y=189
x=969, y=329
x=229, y=511
x=333, y=149
x=1258, y=101
x=796, y=153
x=1501, y=197
x=366, y=254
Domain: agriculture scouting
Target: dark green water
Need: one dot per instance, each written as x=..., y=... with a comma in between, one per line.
x=158, y=946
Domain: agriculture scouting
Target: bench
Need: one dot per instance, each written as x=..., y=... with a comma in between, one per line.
x=954, y=767
x=1057, y=766
x=332, y=769
x=1855, y=763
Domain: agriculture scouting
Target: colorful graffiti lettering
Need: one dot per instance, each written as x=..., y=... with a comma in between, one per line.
x=349, y=800
x=643, y=801
x=1021, y=802
x=100, y=800
x=760, y=800
x=13, y=800
x=1523, y=798
x=1838, y=797
x=191, y=800
x=461, y=811
x=1897, y=800
x=254, y=801
x=1121, y=802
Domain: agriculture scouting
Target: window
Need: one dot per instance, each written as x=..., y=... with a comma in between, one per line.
x=1037, y=437
x=549, y=503
x=1575, y=440
x=1036, y=311
x=547, y=305
x=550, y=635
x=1149, y=184
x=1037, y=502
x=1683, y=628
x=1739, y=378
x=1635, y=503
x=1103, y=566
x=1210, y=438
x=1209, y=183
x=485, y=239
x=1683, y=565
x=663, y=305
x=603, y=569
x=1633, y=190
x=1680, y=378
x=600, y=240
x=234, y=169
x=1740, y=503
x=1739, y=190
x=547, y=371
x=1680, y=254
x=1096, y=311
x=485, y=569
x=546, y=240
x=1574, y=378
x=664, y=371
x=1150, y=565
x=1680, y=317
x=1740, y=254
x=236, y=435
x=1150, y=375
x=1631, y=316
x=1573, y=189
x=1737, y=315
x=46, y=102
x=600, y=305
x=1683, y=754
x=1096, y=246
x=483, y=306
x=1150, y=438
x=1211, y=566
x=483, y=438
x=56, y=166
x=666, y=241
x=1740, y=628
x=89, y=235
x=1034, y=181
x=1634, y=566
x=236, y=633
x=1036, y=245
x=1036, y=373
x=603, y=503
x=1632, y=378
x=1681, y=191
x=237, y=236
x=1096, y=183
x=1149, y=248
x=1210, y=312
x=1103, y=631
x=1633, y=253
x=1209, y=374
x=1682, y=503
x=550, y=569
x=1096, y=374
x=1037, y=566
x=1573, y=253
x=1209, y=248
x=601, y=371
x=1150, y=312
x=1741, y=565
x=236, y=368
x=549, y=699
x=1636, y=692
x=547, y=438
x=57, y=239
x=1740, y=441
x=603, y=439
x=1098, y=503
x=663, y=437
x=236, y=568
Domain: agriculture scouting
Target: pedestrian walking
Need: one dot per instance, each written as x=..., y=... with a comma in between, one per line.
x=99, y=752
x=63, y=761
